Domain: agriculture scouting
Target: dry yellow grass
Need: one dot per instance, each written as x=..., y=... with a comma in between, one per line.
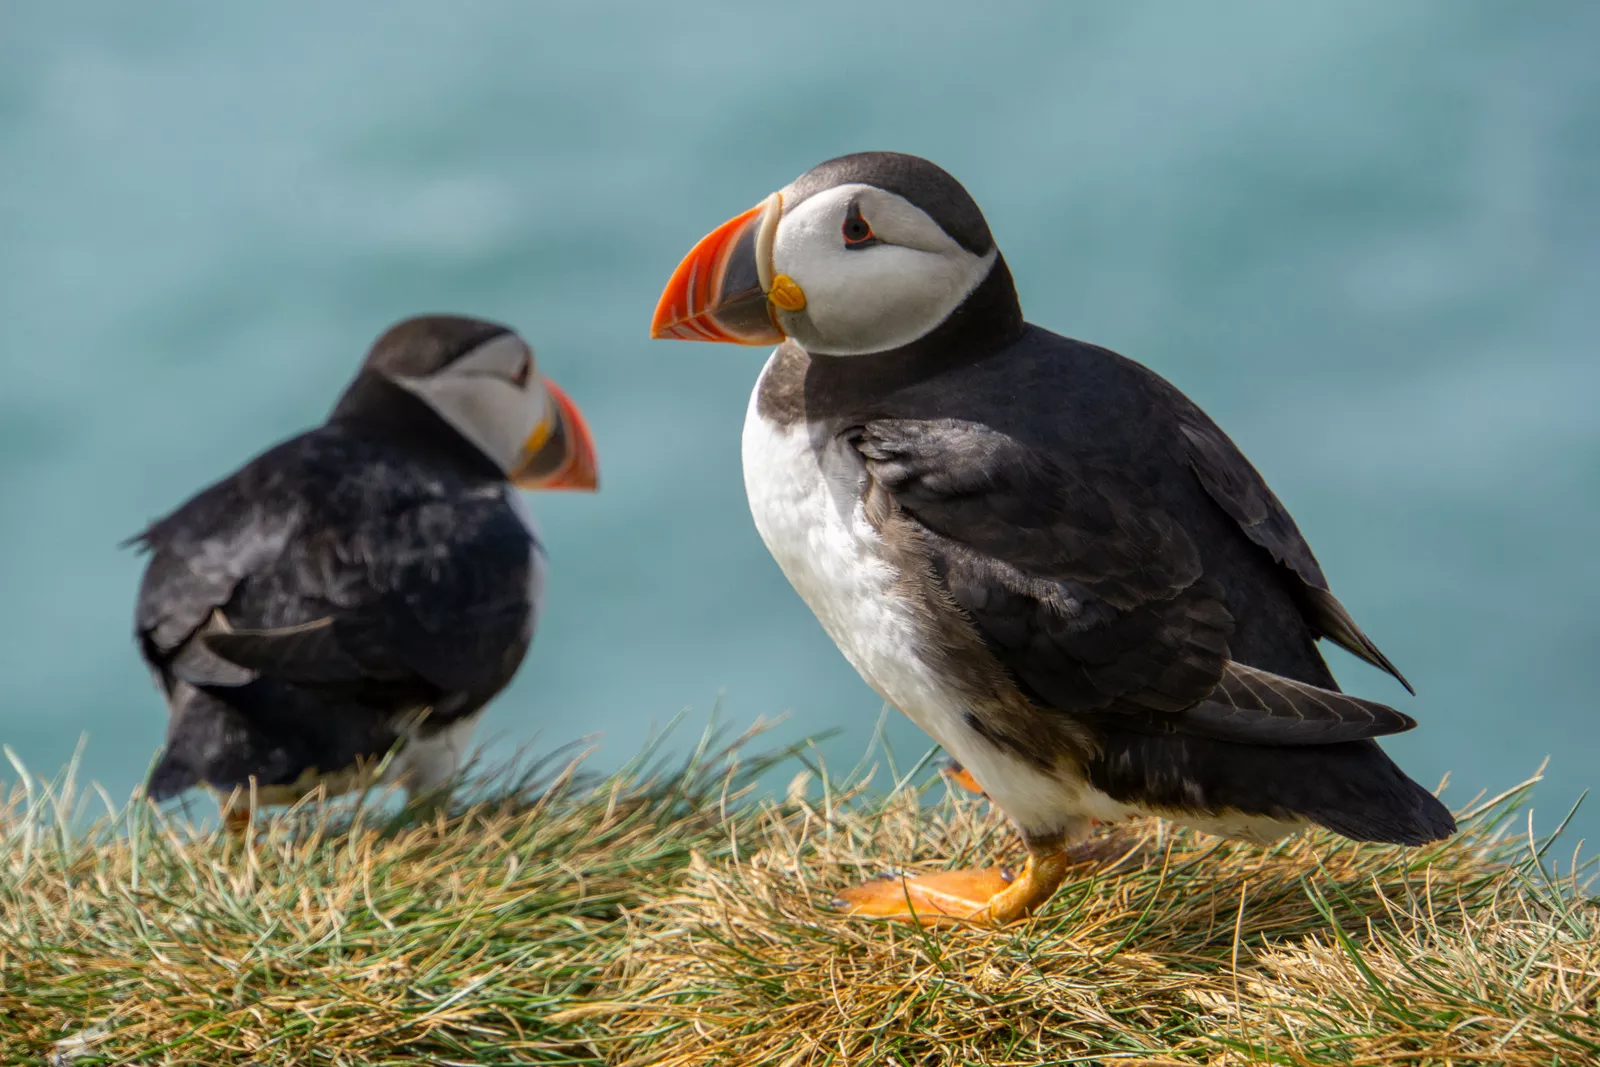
x=668, y=918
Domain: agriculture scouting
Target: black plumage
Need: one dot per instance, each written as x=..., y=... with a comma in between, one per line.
x=302, y=614
x=1126, y=566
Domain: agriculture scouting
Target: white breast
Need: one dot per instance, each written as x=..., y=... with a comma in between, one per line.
x=425, y=763
x=806, y=506
x=806, y=499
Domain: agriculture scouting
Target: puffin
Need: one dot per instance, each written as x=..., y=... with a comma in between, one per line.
x=1040, y=551
x=338, y=611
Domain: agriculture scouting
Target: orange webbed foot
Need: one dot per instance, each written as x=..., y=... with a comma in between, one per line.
x=989, y=895
x=927, y=898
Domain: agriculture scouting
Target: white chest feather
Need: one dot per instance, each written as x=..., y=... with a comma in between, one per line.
x=426, y=763
x=806, y=502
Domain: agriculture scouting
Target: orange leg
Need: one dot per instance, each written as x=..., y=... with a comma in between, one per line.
x=987, y=895
x=962, y=777
x=236, y=816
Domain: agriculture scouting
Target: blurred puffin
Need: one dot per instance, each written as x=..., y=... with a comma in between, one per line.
x=364, y=587
x=1041, y=552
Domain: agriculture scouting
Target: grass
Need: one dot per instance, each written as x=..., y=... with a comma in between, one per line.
x=667, y=915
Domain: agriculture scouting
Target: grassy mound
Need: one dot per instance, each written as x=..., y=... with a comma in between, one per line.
x=667, y=918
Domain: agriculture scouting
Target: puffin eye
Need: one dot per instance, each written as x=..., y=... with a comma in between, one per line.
x=857, y=231
x=524, y=370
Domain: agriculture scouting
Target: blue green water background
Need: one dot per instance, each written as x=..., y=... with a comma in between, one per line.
x=1365, y=236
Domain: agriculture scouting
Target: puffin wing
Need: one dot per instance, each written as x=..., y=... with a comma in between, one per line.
x=1238, y=488
x=1085, y=590
x=308, y=654
x=199, y=556
x=451, y=610
x=1265, y=708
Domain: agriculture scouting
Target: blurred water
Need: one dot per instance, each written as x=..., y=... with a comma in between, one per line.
x=1365, y=236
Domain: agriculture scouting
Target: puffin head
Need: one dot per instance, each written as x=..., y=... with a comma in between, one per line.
x=862, y=254
x=479, y=379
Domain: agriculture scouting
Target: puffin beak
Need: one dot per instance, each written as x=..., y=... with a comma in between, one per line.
x=559, y=454
x=725, y=288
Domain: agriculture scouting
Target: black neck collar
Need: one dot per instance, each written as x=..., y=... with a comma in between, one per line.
x=375, y=405
x=988, y=321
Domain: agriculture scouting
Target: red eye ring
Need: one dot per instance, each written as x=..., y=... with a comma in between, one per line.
x=857, y=230
x=524, y=372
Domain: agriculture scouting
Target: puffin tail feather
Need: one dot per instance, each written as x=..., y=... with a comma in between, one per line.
x=1400, y=812
x=169, y=777
x=1352, y=787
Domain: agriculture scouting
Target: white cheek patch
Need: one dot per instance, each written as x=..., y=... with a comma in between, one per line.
x=886, y=296
x=492, y=413
x=507, y=356
x=478, y=396
x=872, y=299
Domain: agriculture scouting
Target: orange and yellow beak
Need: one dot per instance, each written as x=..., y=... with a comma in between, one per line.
x=725, y=289
x=559, y=454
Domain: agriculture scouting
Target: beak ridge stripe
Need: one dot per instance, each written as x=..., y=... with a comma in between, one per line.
x=766, y=234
